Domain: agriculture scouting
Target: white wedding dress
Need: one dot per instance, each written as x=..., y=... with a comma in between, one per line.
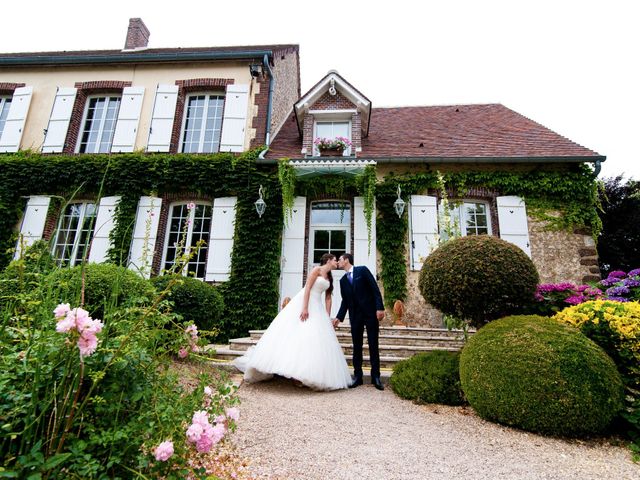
x=306, y=351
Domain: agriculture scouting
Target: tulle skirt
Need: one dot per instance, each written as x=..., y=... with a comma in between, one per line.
x=306, y=351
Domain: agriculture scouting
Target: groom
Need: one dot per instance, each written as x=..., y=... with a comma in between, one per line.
x=361, y=297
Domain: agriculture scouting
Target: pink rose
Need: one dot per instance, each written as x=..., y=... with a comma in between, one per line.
x=163, y=451
x=233, y=413
x=204, y=444
x=221, y=419
x=208, y=391
x=65, y=325
x=218, y=432
x=61, y=310
x=182, y=353
x=83, y=320
x=87, y=344
x=201, y=417
x=194, y=432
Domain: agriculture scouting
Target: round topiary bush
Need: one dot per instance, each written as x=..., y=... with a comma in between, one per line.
x=540, y=375
x=430, y=377
x=478, y=278
x=105, y=283
x=195, y=300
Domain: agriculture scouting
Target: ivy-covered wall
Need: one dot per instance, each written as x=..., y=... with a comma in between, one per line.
x=251, y=294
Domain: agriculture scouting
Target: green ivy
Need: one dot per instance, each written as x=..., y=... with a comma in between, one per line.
x=251, y=293
x=572, y=192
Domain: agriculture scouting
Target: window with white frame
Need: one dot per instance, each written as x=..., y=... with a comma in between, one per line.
x=202, y=125
x=74, y=233
x=472, y=217
x=99, y=124
x=5, y=104
x=188, y=224
x=332, y=130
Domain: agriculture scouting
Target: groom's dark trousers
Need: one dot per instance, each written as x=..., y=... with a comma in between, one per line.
x=362, y=298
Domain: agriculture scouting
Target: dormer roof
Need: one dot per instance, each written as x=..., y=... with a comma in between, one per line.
x=333, y=83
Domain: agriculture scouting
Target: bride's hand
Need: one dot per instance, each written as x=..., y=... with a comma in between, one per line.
x=304, y=315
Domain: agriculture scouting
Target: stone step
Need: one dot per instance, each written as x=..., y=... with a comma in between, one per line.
x=396, y=332
x=396, y=347
x=386, y=361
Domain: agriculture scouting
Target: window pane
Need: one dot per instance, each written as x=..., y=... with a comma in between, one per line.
x=321, y=240
x=74, y=234
x=99, y=125
x=338, y=240
x=5, y=103
x=337, y=213
x=476, y=219
x=187, y=227
x=203, y=124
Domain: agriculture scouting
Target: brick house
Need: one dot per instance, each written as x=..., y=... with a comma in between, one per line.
x=140, y=99
x=235, y=99
x=405, y=140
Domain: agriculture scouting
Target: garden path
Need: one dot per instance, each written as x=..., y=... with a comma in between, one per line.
x=288, y=432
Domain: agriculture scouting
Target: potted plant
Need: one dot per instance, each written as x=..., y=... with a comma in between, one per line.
x=332, y=147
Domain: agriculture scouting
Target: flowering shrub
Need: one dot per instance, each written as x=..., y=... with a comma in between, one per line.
x=613, y=325
x=341, y=143
x=621, y=286
x=88, y=398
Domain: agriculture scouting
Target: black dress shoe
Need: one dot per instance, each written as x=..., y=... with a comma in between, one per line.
x=356, y=383
x=377, y=383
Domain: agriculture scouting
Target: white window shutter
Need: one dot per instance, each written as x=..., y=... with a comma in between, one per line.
x=124, y=137
x=423, y=227
x=361, y=253
x=234, y=120
x=102, y=228
x=16, y=118
x=512, y=219
x=33, y=222
x=59, y=120
x=145, y=233
x=164, y=111
x=292, y=257
x=221, y=239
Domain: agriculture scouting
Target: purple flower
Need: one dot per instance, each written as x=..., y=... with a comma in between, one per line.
x=609, y=282
x=618, y=291
x=630, y=282
x=574, y=299
x=618, y=299
x=635, y=273
x=555, y=287
x=616, y=274
x=592, y=291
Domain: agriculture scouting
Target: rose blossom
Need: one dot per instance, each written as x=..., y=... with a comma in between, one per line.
x=204, y=444
x=201, y=417
x=87, y=344
x=61, y=310
x=194, y=432
x=208, y=391
x=182, y=353
x=233, y=413
x=163, y=451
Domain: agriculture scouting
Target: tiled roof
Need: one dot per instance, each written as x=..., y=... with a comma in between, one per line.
x=456, y=131
x=166, y=52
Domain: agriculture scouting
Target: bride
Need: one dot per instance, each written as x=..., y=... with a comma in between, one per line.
x=300, y=343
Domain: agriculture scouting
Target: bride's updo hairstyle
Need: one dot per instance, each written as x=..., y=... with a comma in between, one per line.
x=324, y=259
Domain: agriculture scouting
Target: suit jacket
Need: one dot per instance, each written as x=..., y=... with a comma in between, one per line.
x=361, y=298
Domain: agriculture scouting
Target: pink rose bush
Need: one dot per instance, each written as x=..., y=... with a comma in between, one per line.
x=78, y=322
x=163, y=451
x=191, y=333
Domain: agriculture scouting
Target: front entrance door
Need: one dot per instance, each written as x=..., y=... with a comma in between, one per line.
x=330, y=232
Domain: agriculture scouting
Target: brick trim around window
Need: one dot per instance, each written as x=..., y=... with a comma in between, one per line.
x=7, y=88
x=185, y=87
x=85, y=89
x=167, y=200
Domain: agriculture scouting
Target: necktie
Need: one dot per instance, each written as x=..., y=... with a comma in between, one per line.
x=349, y=277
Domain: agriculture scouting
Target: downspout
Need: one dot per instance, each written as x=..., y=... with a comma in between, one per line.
x=272, y=82
x=597, y=167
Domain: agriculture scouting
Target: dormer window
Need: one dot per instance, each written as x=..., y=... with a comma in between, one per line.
x=331, y=130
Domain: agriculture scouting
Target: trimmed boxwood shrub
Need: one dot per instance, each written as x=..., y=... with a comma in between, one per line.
x=105, y=283
x=430, y=377
x=478, y=278
x=534, y=373
x=195, y=300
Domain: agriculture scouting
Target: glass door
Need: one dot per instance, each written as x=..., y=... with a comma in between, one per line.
x=330, y=232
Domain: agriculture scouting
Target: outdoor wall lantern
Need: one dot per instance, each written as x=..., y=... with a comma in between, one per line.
x=260, y=204
x=255, y=69
x=399, y=204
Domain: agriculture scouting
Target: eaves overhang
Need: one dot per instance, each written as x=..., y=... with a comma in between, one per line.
x=129, y=57
x=597, y=159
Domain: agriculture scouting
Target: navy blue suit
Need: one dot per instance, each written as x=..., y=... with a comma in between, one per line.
x=362, y=299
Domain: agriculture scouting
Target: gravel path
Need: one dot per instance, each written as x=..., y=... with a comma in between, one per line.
x=289, y=432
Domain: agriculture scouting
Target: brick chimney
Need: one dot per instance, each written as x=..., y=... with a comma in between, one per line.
x=137, y=35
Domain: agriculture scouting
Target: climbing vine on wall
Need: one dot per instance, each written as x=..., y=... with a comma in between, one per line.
x=251, y=293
